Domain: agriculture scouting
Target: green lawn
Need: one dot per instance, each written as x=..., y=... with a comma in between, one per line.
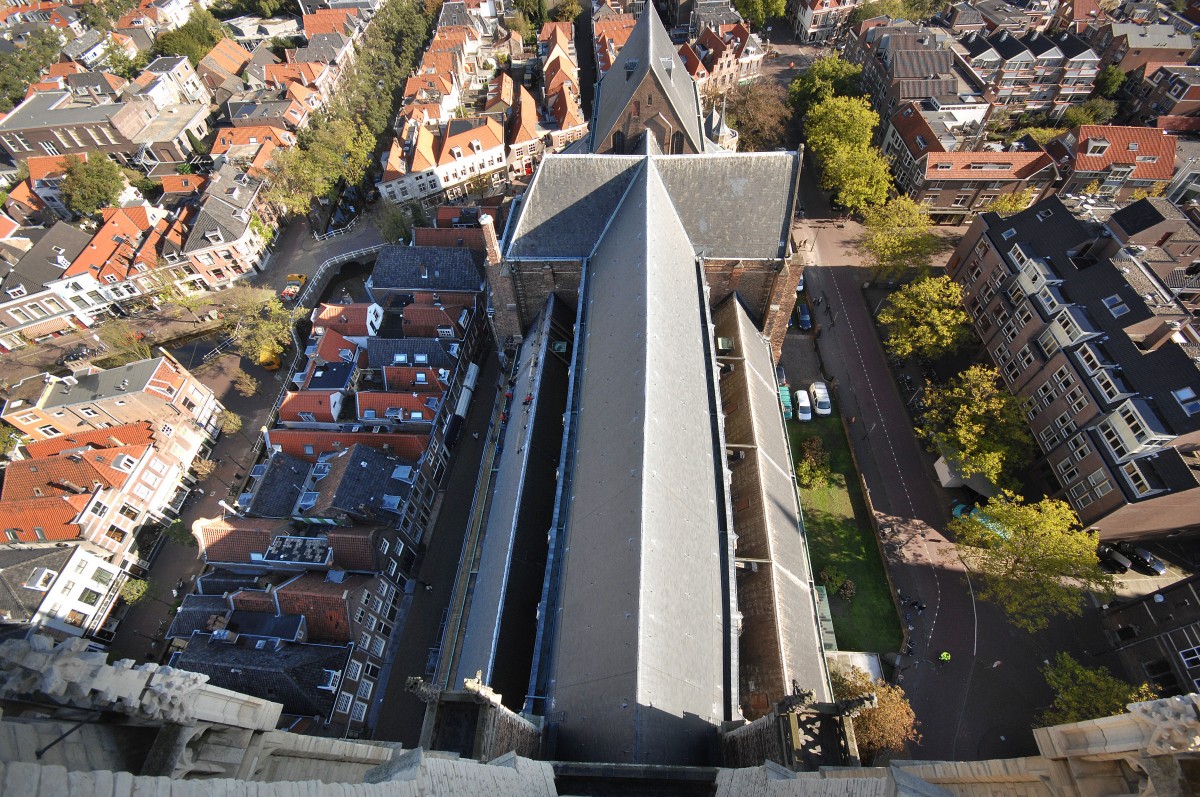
x=840, y=535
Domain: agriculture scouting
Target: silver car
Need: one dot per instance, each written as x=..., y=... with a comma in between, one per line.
x=819, y=393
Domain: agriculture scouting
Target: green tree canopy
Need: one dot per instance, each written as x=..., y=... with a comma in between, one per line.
x=1041, y=135
x=568, y=10
x=757, y=11
x=925, y=318
x=899, y=237
x=22, y=67
x=1032, y=560
x=861, y=177
x=1096, y=111
x=1008, y=204
x=977, y=423
x=91, y=184
x=135, y=591
x=836, y=121
x=125, y=342
x=229, y=421
x=264, y=330
x=829, y=76
x=1087, y=693
x=890, y=725
x=193, y=39
x=758, y=112
x=120, y=63
x=1109, y=81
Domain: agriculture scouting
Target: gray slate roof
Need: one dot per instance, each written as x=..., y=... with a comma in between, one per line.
x=224, y=208
x=78, y=46
x=573, y=197
x=194, y=614
x=290, y=675
x=383, y=351
x=426, y=268
x=42, y=264
x=279, y=488
x=1145, y=213
x=322, y=48
x=18, y=604
x=648, y=51
x=53, y=107
x=639, y=642
x=105, y=384
x=358, y=479
x=218, y=582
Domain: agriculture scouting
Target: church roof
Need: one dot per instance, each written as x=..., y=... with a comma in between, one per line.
x=648, y=52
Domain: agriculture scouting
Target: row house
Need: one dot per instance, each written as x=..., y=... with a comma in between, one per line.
x=1001, y=15
x=963, y=18
x=723, y=58
x=1113, y=161
x=54, y=123
x=305, y=611
x=102, y=486
x=250, y=148
x=1105, y=359
x=820, y=20
x=1155, y=634
x=224, y=242
x=283, y=108
x=932, y=163
x=46, y=174
x=526, y=136
x=90, y=48
x=221, y=69
x=1074, y=16
x=464, y=44
x=46, y=407
x=29, y=311
x=430, y=165
x=609, y=35
x=345, y=21
x=903, y=62
x=94, y=87
x=1128, y=46
x=1166, y=241
x=334, y=50
x=436, y=82
x=1171, y=90
x=301, y=80
x=1038, y=72
x=27, y=208
x=171, y=81
x=562, y=112
x=62, y=591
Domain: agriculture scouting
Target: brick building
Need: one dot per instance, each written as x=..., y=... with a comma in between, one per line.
x=1114, y=160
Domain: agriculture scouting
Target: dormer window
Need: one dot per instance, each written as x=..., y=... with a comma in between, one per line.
x=456, y=152
x=16, y=292
x=1097, y=146
x=1133, y=146
x=214, y=236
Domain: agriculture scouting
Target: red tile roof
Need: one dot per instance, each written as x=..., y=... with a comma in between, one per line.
x=55, y=516
x=401, y=377
x=234, y=539
x=466, y=237
x=423, y=320
x=228, y=137
x=43, y=167
x=116, y=246
x=549, y=28
x=228, y=55
x=354, y=548
x=1180, y=124
x=183, y=183
x=65, y=68
x=406, y=403
x=997, y=165
x=7, y=226
x=1127, y=145
x=910, y=123
x=49, y=476
x=313, y=401
x=334, y=348
x=130, y=434
x=293, y=441
x=22, y=194
x=325, y=604
x=348, y=319
x=328, y=20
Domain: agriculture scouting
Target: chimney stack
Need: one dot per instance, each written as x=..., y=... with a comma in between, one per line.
x=490, y=242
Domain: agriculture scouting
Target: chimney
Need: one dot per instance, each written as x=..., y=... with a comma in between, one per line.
x=490, y=242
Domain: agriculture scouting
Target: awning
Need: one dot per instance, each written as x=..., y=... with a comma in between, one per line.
x=46, y=327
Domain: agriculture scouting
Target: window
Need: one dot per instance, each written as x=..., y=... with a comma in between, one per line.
x=377, y=646
x=102, y=576
x=1067, y=471
x=76, y=619
x=1116, y=306
x=1187, y=399
x=116, y=533
x=1137, y=480
x=354, y=671
x=89, y=597
x=364, y=690
x=1079, y=447
x=49, y=431
x=343, y=703
x=79, y=568
x=1190, y=657
x=130, y=512
x=360, y=711
x=1077, y=399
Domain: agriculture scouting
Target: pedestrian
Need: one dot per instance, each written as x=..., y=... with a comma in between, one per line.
x=475, y=435
x=429, y=588
x=921, y=609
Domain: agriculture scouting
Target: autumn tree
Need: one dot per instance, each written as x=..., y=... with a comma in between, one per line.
x=925, y=319
x=125, y=342
x=1087, y=693
x=245, y=384
x=1096, y=111
x=829, y=76
x=899, y=237
x=204, y=468
x=1109, y=81
x=193, y=39
x=135, y=591
x=758, y=112
x=812, y=469
x=91, y=184
x=263, y=331
x=120, y=63
x=394, y=222
x=1031, y=559
x=568, y=10
x=1008, y=204
x=979, y=425
x=329, y=150
x=229, y=421
x=757, y=11
x=890, y=725
x=519, y=24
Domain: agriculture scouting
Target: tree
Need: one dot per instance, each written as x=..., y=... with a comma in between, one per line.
x=862, y=178
x=91, y=184
x=1096, y=111
x=1032, y=560
x=263, y=331
x=229, y=421
x=567, y=11
x=925, y=318
x=519, y=24
x=829, y=76
x=758, y=112
x=1087, y=693
x=1008, y=204
x=10, y=438
x=331, y=149
x=897, y=9
x=845, y=122
x=177, y=532
x=393, y=222
x=22, y=67
x=193, y=39
x=1041, y=135
x=757, y=11
x=204, y=468
x=977, y=423
x=1109, y=81
x=899, y=237
x=245, y=384
x=1155, y=190
x=890, y=725
x=812, y=470
x=125, y=342
x=120, y=63
x=135, y=591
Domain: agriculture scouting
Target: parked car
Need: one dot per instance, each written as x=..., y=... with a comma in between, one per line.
x=803, y=407
x=800, y=285
x=819, y=393
x=803, y=317
x=962, y=510
x=1142, y=558
x=294, y=283
x=1111, y=559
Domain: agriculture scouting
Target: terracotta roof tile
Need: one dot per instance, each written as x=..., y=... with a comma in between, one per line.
x=44, y=167
x=996, y=165
x=252, y=600
x=23, y=194
x=141, y=433
x=333, y=347
x=228, y=137
x=227, y=55
x=183, y=183
x=1127, y=145
x=55, y=516
x=347, y=319
x=468, y=237
x=354, y=548
x=401, y=405
x=311, y=401
x=328, y=20
x=325, y=604
x=400, y=377
x=65, y=68
x=234, y=539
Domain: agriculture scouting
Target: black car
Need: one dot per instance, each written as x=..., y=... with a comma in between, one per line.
x=803, y=317
x=1111, y=559
x=1142, y=558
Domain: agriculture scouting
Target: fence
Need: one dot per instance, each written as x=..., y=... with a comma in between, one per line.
x=325, y=236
